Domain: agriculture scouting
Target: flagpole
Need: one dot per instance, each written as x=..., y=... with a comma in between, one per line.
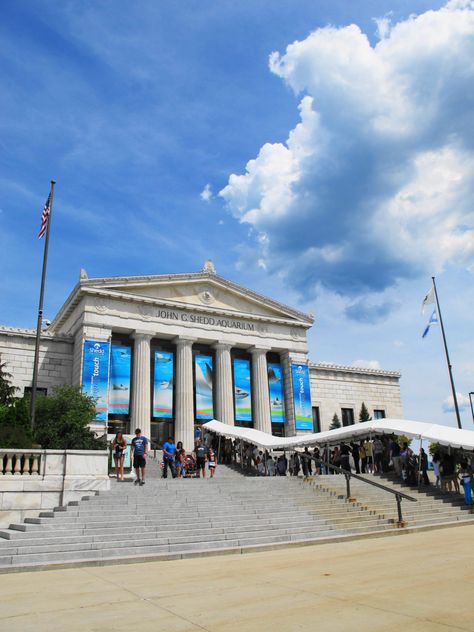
x=40, y=312
x=455, y=399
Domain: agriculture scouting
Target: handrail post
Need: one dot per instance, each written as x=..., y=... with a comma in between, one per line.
x=348, y=485
x=399, y=508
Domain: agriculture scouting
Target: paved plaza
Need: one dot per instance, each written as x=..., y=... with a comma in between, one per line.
x=416, y=582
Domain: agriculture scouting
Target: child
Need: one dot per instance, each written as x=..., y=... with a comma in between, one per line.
x=212, y=461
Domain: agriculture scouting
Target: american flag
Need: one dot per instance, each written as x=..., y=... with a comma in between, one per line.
x=45, y=217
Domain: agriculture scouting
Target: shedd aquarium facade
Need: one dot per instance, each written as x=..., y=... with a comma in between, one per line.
x=167, y=353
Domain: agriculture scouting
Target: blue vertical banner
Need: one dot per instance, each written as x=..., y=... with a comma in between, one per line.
x=242, y=390
x=275, y=387
x=95, y=375
x=163, y=384
x=204, y=387
x=302, y=397
x=119, y=383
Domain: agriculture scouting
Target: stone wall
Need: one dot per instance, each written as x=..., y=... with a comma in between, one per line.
x=17, y=350
x=32, y=481
x=335, y=387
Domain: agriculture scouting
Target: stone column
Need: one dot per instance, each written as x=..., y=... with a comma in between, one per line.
x=260, y=393
x=141, y=396
x=184, y=394
x=224, y=394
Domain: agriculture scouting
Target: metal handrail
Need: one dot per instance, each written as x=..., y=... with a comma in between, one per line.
x=347, y=474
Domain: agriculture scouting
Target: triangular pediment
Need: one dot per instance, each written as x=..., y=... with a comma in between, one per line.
x=201, y=290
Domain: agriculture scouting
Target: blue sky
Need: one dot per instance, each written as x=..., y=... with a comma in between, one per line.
x=319, y=152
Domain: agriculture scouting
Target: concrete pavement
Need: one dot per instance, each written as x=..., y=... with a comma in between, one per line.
x=423, y=581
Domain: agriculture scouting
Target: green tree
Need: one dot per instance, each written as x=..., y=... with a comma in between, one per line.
x=364, y=413
x=403, y=439
x=7, y=391
x=15, y=429
x=335, y=423
x=62, y=420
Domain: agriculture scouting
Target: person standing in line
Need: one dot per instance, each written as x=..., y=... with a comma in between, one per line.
x=369, y=453
x=345, y=452
x=140, y=447
x=356, y=456
x=437, y=469
x=395, y=456
x=212, y=462
x=378, y=455
x=465, y=477
x=363, y=457
x=271, y=466
x=282, y=465
x=200, y=453
x=119, y=445
x=169, y=451
x=424, y=467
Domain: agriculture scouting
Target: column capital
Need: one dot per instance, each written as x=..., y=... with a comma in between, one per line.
x=184, y=342
x=258, y=350
x=221, y=346
x=141, y=335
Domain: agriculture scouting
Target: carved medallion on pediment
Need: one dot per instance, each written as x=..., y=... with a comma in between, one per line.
x=206, y=296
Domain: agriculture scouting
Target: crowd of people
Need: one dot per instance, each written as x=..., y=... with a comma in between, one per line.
x=373, y=456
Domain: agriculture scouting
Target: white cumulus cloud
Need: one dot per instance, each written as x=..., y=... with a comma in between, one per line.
x=463, y=403
x=367, y=364
x=206, y=193
x=375, y=183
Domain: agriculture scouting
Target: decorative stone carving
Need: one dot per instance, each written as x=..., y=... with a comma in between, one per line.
x=206, y=296
x=83, y=275
x=209, y=267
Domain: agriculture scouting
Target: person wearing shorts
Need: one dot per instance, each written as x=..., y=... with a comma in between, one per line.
x=140, y=447
x=212, y=463
x=201, y=453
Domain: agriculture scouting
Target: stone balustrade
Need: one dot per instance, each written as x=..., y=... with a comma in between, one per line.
x=20, y=462
x=36, y=480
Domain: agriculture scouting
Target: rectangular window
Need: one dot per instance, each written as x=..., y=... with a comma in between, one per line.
x=43, y=392
x=316, y=419
x=347, y=416
x=379, y=414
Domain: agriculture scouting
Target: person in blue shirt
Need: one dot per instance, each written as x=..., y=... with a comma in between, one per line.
x=140, y=447
x=169, y=450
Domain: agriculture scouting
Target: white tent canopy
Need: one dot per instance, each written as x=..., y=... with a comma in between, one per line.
x=436, y=433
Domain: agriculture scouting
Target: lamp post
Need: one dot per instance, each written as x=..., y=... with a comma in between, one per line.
x=472, y=407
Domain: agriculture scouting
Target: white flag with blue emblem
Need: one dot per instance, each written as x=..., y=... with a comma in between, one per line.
x=432, y=321
x=428, y=300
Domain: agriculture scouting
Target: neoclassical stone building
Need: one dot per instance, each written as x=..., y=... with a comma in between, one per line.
x=167, y=352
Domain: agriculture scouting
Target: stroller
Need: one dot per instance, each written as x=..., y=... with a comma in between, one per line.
x=190, y=467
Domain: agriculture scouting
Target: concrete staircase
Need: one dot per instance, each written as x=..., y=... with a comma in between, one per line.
x=431, y=508
x=166, y=519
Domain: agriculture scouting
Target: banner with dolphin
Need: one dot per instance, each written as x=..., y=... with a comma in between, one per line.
x=242, y=390
x=95, y=375
x=275, y=387
x=204, y=387
x=163, y=384
x=119, y=383
x=302, y=397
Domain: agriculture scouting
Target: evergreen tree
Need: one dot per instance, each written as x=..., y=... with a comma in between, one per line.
x=335, y=423
x=364, y=413
x=7, y=391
